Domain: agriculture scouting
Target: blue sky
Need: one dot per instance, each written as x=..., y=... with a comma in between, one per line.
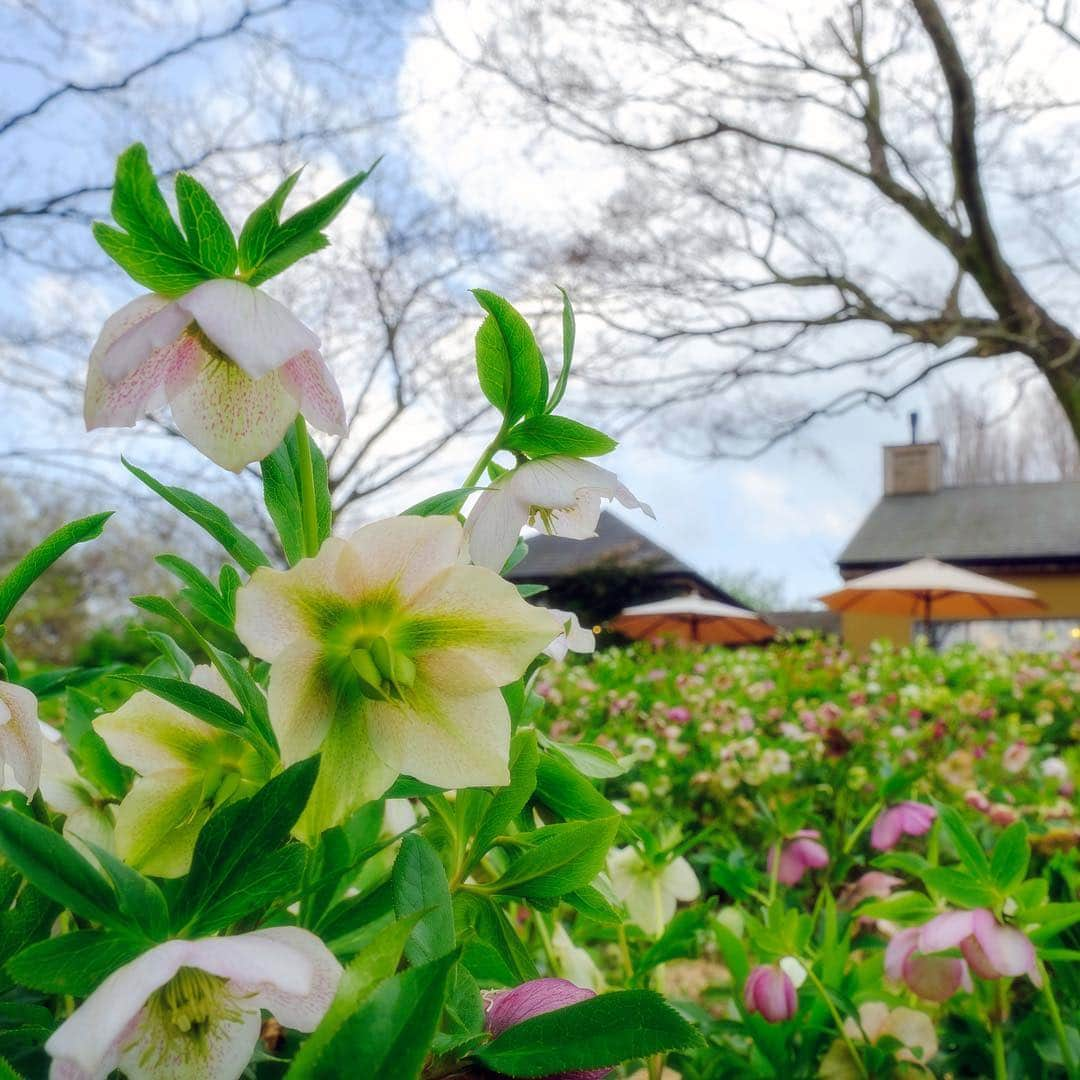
x=785, y=514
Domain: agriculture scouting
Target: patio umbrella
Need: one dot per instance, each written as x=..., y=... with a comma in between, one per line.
x=693, y=618
x=930, y=590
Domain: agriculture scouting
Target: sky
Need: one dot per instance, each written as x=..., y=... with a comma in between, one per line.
x=784, y=515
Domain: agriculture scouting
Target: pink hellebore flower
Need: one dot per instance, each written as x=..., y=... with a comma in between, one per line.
x=994, y=951
x=770, y=992
x=873, y=885
x=935, y=978
x=506, y=1008
x=803, y=852
x=906, y=818
x=189, y=1010
x=234, y=365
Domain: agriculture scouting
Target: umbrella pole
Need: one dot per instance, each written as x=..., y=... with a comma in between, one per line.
x=927, y=613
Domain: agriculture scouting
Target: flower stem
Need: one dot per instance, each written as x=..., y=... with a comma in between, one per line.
x=1058, y=1026
x=484, y=460
x=996, y=1019
x=861, y=827
x=820, y=986
x=308, y=511
x=545, y=940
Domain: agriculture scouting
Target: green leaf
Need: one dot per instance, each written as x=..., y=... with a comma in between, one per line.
x=268, y=246
x=152, y=250
x=368, y=969
x=208, y=517
x=958, y=888
x=569, y=333
x=446, y=502
x=968, y=848
x=419, y=885
x=679, y=940
x=209, y=238
x=596, y=762
x=494, y=932
x=138, y=897
x=45, y=684
x=597, y=1033
x=593, y=904
x=540, y=436
x=74, y=963
x=50, y=863
x=204, y=704
x=200, y=591
x=240, y=832
x=906, y=908
x=282, y=494
x=269, y=878
x=95, y=760
x=509, y=801
x=32, y=565
x=509, y=364
x=562, y=788
x=563, y=858
x=1010, y=857
x=390, y=1034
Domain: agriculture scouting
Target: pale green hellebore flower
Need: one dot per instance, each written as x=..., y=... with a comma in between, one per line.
x=187, y=769
x=651, y=893
x=191, y=1010
x=387, y=652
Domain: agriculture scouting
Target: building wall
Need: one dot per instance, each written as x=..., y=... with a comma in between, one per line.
x=1060, y=593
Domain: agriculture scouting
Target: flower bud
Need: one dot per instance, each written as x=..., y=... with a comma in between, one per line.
x=802, y=853
x=770, y=992
x=506, y=1008
x=906, y=818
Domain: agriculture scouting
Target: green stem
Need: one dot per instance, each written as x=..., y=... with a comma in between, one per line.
x=308, y=510
x=996, y=1019
x=861, y=827
x=774, y=876
x=545, y=940
x=624, y=952
x=484, y=460
x=820, y=986
x=1059, y=1027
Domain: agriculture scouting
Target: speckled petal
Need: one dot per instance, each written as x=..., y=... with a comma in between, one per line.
x=230, y=417
x=308, y=379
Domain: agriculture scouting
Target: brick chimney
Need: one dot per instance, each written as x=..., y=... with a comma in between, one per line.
x=912, y=469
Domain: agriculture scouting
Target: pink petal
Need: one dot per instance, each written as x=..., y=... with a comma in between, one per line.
x=509, y=1007
x=886, y=832
x=945, y=931
x=308, y=379
x=155, y=330
x=935, y=978
x=901, y=945
x=1007, y=951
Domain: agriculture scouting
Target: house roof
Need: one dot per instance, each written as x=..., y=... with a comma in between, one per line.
x=988, y=524
x=552, y=557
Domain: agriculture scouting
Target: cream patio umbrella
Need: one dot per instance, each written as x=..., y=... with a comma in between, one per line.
x=693, y=618
x=932, y=591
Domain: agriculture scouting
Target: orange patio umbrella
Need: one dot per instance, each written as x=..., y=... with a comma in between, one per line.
x=693, y=618
x=931, y=590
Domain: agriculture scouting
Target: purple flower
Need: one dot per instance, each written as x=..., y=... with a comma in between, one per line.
x=934, y=978
x=771, y=993
x=505, y=1008
x=906, y=818
x=994, y=951
x=803, y=852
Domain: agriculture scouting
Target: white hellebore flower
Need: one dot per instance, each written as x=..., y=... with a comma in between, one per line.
x=387, y=653
x=651, y=893
x=573, y=637
x=87, y=816
x=20, y=739
x=560, y=495
x=234, y=365
x=190, y=1010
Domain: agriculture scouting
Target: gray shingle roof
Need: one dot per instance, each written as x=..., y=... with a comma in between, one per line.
x=615, y=541
x=988, y=523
